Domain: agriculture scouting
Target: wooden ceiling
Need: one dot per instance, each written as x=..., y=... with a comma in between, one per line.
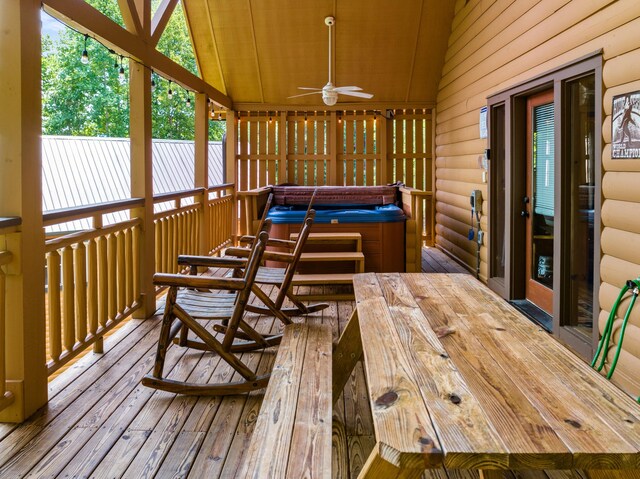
x=259, y=51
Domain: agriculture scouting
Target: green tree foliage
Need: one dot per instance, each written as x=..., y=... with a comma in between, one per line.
x=91, y=100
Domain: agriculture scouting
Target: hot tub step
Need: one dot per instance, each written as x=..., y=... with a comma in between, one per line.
x=354, y=239
x=322, y=279
x=355, y=256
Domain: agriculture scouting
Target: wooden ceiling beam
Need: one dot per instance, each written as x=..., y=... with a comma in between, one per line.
x=87, y=19
x=161, y=19
x=131, y=17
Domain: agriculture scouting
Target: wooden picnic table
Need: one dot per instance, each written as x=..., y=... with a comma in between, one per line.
x=459, y=379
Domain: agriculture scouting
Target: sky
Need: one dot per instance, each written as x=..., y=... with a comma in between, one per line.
x=50, y=26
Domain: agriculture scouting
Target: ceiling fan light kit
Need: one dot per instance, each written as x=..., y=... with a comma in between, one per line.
x=329, y=91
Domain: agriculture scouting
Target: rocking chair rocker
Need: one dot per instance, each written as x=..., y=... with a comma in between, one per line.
x=190, y=298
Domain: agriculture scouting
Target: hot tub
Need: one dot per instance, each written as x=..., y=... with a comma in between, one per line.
x=381, y=228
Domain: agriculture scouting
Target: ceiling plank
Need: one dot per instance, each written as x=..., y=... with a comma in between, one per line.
x=161, y=19
x=217, y=52
x=255, y=51
x=415, y=51
x=129, y=12
x=87, y=19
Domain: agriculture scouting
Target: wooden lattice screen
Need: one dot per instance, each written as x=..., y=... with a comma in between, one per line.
x=334, y=148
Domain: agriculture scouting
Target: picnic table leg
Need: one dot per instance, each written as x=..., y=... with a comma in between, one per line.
x=346, y=354
x=377, y=467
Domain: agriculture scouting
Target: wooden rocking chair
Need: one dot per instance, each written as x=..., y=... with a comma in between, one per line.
x=279, y=277
x=190, y=298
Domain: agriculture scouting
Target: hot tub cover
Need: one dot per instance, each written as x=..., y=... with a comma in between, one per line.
x=326, y=214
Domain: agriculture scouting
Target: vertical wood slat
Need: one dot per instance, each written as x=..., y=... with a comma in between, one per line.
x=252, y=125
x=136, y=261
x=112, y=281
x=271, y=151
x=349, y=144
x=68, y=300
x=120, y=273
x=300, y=150
x=128, y=262
x=359, y=149
x=243, y=166
x=282, y=147
x=291, y=148
x=410, y=156
x=340, y=150
x=322, y=165
x=80, y=280
x=103, y=282
x=399, y=150
x=262, y=151
x=369, y=150
x=55, y=322
x=92, y=286
x=420, y=154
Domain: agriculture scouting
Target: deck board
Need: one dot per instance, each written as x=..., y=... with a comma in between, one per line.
x=100, y=422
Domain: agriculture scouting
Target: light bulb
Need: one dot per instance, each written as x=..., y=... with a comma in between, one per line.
x=85, y=55
x=188, y=101
x=219, y=116
x=170, y=91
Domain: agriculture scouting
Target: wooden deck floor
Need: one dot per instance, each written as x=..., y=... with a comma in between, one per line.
x=100, y=422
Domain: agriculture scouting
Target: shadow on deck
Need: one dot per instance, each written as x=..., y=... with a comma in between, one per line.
x=100, y=422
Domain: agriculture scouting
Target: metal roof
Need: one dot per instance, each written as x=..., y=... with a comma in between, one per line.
x=79, y=171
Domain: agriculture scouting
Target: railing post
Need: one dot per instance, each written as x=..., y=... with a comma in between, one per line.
x=230, y=167
x=201, y=171
x=142, y=181
x=20, y=193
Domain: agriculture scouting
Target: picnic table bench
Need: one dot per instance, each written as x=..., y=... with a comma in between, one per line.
x=459, y=379
x=292, y=436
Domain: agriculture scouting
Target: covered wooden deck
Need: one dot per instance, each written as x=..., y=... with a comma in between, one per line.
x=100, y=422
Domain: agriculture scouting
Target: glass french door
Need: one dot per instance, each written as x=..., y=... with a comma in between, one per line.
x=539, y=201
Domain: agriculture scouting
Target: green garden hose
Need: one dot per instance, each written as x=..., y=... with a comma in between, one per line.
x=632, y=285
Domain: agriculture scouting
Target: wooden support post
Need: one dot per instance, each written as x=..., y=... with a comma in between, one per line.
x=142, y=181
x=201, y=179
x=381, y=130
x=20, y=193
x=282, y=148
x=230, y=175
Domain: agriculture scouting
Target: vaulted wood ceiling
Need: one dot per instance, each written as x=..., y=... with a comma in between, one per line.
x=259, y=51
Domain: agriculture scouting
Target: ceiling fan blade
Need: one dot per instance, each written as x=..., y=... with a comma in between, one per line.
x=347, y=88
x=308, y=88
x=356, y=93
x=306, y=94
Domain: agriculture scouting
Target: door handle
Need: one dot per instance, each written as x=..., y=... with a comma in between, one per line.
x=524, y=213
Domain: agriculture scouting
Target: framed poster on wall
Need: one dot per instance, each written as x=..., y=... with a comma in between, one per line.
x=625, y=126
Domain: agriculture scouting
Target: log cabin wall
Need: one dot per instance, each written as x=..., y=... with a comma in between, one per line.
x=354, y=147
x=496, y=44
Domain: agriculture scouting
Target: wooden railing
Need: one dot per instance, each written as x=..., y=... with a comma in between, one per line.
x=184, y=229
x=177, y=230
x=220, y=210
x=6, y=257
x=92, y=278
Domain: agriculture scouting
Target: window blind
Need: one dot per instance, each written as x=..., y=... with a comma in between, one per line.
x=543, y=159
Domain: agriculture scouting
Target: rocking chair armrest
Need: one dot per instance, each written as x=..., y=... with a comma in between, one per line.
x=214, y=262
x=281, y=243
x=239, y=252
x=199, y=282
x=275, y=256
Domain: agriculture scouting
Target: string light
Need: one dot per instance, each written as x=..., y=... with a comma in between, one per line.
x=121, y=74
x=219, y=116
x=85, y=55
x=239, y=117
x=339, y=117
x=118, y=64
x=270, y=118
x=305, y=117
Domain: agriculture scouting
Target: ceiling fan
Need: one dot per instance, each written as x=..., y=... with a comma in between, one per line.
x=329, y=91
